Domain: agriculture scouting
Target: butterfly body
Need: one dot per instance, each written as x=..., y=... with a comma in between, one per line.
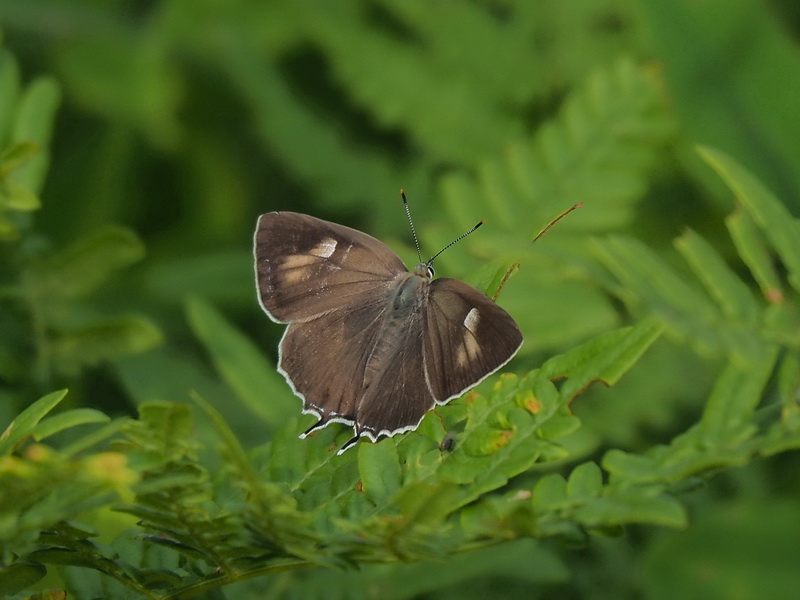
x=403, y=310
x=370, y=343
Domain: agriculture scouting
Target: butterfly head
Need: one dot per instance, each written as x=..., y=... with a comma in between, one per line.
x=424, y=270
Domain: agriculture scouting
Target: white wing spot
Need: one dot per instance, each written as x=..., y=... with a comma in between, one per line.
x=471, y=321
x=470, y=351
x=325, y=248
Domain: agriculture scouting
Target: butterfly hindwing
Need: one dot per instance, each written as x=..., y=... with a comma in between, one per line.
x=325, y=359
x=399, y=396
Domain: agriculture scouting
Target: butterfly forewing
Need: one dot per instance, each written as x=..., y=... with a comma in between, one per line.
x=468, y=337
x=306, y=267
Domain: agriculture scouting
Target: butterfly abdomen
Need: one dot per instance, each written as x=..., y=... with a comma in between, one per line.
x=405, y=305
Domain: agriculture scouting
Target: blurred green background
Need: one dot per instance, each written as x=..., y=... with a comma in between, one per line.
x=183, y=120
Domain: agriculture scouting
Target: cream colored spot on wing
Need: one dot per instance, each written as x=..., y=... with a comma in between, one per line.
x=298, y=261
x=470, y=350
x=325, y=248
x=471, y=321
x=461, y=356
x=294, y=269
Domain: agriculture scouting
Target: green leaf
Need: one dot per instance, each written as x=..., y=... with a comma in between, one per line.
x=559, y=427
x=24, y=425
x=605, y=358
x=778, y=224
x=66, y=420
x=633, y=506
x=498, y=277
x=9, y=93
x=732, y=295
x=86, y=264
x=76, y=530
x=163, y=429
x=440, y=127
x=789, y=379
x=20, y=575
x=17, y=155
x=34, y=122
x=256, y=382
x=428, y=505
x=753, y=251
x=737, y=393
x=550, y=490
x=305, y=466
x=101, y=341
x=232, y=444
x=502, y=439
x=379, y=467
x=690, y=315
x=273, y=510
x=644, y=273
x=627, y=466
x=94, y=437
x=64, y=556
x=9, y=229
x=585, y=480
x=14, y=196
x=220, y=277
x=730, y=105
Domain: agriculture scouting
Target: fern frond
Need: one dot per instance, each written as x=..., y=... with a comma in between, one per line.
x=719, y=315
x=599, y=150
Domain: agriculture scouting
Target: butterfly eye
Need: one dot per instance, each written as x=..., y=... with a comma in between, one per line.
x=431, y=272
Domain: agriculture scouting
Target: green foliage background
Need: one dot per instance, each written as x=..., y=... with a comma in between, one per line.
x=140, y=140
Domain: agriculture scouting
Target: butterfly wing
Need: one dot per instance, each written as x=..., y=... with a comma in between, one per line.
x=467, y=338
x=325, y=359
x=455, y=338
x=332, y=284
x=398, y=396
x=306, y=267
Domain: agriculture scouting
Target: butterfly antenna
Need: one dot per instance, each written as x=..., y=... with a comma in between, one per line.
x=411, y=224
x=455, y=241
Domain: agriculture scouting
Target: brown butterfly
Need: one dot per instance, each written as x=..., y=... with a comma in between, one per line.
x=371, y=344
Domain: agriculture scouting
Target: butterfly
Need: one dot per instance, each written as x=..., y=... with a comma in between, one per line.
x=369, y=343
